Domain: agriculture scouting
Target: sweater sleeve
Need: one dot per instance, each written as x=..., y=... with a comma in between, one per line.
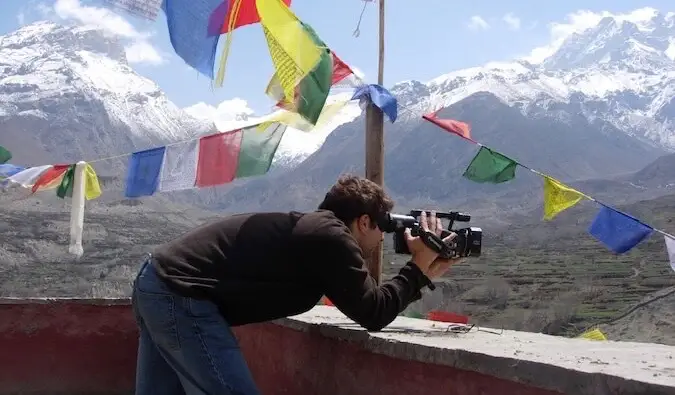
x=344, y=279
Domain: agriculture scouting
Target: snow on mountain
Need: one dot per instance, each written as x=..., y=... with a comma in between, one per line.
x=620, y=69
x=67, y=93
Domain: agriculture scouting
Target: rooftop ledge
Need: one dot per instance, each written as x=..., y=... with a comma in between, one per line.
x=568, y=366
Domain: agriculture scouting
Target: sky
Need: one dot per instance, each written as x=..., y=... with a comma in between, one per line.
x=424, y=39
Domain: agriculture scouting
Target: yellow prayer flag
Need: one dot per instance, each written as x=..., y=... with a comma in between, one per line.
x=292, y=49
x=297, y=121
x=558, y=197
x=594, y=334
x=92, y=189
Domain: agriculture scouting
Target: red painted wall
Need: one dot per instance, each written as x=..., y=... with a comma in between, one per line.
x=74, y=348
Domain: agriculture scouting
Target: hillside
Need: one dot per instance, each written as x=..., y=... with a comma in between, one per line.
x=535, y=276
x=554, y=277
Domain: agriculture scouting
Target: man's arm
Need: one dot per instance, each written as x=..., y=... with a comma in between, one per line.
x=345, y=280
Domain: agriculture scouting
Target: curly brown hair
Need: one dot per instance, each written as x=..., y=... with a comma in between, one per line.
x=353, y=196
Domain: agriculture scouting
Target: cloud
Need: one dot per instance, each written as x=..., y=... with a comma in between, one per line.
x=227, y=111
x=478, y=23
x=512, y=21
x=139, y=50
x=580, y=21
x=21, y=18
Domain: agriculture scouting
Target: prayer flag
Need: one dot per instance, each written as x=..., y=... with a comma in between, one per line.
x=618, y=231
x=187, y=22
x=295, y=54
x=66, y=186
x=5, y=155
x=380, y=97
x=219, y=21
x=558, y=197
x=490, y=166
x=670, y=248
x=148, y=9
x=594, y=334
x=143, y=172
x=459, y=128
x=92, y=187
x=180, y=166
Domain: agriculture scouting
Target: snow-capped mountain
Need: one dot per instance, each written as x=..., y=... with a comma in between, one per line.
x=67, y=93
x=622, y=71
x=599, y=105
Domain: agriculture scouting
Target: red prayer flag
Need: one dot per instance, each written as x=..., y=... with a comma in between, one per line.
x=444, y=316
x=49, y=176
x=218, y=158
x=247, y=15
x=340, y=69
x=459, y=128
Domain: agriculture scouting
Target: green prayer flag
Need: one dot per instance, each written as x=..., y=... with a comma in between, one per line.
x=312, y=91
x=5, y=155
x=65, y=188
x=490, y=166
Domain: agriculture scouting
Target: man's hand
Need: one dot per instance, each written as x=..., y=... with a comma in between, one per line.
x=424, y=257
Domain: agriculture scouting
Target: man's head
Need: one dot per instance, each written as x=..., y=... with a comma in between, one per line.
x=359, y=203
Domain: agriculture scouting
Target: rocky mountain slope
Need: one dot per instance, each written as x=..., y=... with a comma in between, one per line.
x=67, y=93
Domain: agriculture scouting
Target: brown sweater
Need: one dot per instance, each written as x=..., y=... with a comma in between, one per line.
x=264, y=266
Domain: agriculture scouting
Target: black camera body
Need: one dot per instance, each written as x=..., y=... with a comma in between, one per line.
x=467, y=243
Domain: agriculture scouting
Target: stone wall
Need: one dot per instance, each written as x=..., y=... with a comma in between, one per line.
x=72, y=346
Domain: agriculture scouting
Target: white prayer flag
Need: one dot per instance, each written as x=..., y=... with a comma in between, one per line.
x=670, y=247
x=179, y=169
x=148, y=9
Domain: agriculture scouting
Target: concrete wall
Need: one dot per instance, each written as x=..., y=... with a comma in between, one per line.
x=73, y=347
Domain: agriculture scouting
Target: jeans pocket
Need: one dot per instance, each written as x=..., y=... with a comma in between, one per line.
x=158, y=312
x=200, y=308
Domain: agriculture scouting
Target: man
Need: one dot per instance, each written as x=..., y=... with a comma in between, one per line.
x=249, y=268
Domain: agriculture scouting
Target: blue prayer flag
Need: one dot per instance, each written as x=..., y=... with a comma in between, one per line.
x=8, y=170
x=143, y=173
x=188, y=31
x=618, y=231
x=380, y=97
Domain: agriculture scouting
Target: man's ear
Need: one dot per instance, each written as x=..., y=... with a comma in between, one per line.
x=364, y=222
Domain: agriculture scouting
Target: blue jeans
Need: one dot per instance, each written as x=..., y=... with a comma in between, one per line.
x=185, y=345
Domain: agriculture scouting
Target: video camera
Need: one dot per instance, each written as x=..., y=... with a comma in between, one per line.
x=467, y=243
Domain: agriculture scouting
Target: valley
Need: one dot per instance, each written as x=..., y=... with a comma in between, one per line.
x=615, y=144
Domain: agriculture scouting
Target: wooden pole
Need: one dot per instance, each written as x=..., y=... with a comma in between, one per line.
x=375, y=144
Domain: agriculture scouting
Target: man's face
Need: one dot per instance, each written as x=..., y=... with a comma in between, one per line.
x=368, y=237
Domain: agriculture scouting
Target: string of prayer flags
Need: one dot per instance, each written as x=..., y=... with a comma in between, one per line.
x=670, y=248
x=50, y=178
x=296, y=53
x=459, y=128
x=490, y=166
x=558, y=197
x=92, y=187
x=223, y=14
x=148, y=9
x=5, y=155
x=187, y=22
x=212, y=160
x=618, y=231
x=380, y=97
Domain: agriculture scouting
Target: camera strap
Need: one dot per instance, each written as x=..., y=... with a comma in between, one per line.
x=437, y=244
